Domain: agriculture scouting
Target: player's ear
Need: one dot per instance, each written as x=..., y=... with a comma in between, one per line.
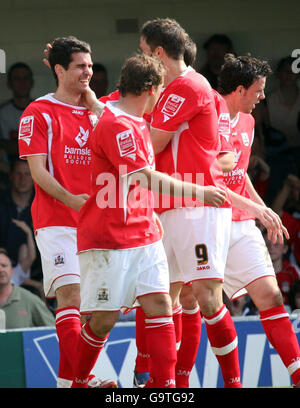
x=151, y=90
x=59, y=69
x=240, y=89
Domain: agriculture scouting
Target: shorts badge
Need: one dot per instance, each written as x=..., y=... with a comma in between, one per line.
x=59, y=259
x=103, y=294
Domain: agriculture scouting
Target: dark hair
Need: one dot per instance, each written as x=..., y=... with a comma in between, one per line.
x=190, y=52
x=243, y=70
x=167, y=33
x=139, y=73
x=97, y=67
x=219, y=39
x=62, y=50
x=16, y=66
x=3, y=251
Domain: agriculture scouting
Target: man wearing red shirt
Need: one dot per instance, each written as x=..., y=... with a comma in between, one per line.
x=54, y=136
x=185, y=139
x=119, y=243
x=249, y=267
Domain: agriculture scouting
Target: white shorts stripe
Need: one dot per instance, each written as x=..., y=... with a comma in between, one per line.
x=222, y=351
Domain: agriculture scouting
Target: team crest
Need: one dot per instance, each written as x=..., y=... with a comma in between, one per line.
x=172, y=106
x=26, y=129
x=245, y=138
x=103, y=295
x=126, y=144
x=59, y=259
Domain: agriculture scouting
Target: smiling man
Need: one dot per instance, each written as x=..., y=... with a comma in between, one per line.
x=54, y=138
x=242, y=82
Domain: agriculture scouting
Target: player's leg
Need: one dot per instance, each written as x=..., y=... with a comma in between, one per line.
x=267, y=297
x=161, y=340
x=61, y=277
x=190, y=339
x=249, y=266
x=93, y=337
x=220, y=329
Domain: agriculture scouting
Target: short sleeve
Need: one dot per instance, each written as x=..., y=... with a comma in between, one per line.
x=33, y=133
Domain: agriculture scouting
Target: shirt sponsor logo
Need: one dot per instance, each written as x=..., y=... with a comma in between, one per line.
x=126, y=144
x=82, y=136
x=172, y=106
x=77, y=112
x=26, y=129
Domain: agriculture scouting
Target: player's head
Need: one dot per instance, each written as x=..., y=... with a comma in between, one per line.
x=245, y=78
x=163, y=34
x=70, y=61
x=142, y=73
x=99, y=80
x=20, y=79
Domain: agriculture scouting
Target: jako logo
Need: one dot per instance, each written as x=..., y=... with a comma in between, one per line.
x=296, y=63
x=2, y=62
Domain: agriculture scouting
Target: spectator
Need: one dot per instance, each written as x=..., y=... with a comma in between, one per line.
x=286, y=273
x=15, y=205
x=22, y=308
x=20, y=81
x=99, y=80
x=287, y=206
x=259, y=173
x=216, y=47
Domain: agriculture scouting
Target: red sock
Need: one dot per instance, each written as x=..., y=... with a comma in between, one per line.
x=89, y=347
x=281, y=335
x=161, y=343
x=68, y=327
x=223, y=340
x=177, y=320
x=186, y=355
x=142, y=359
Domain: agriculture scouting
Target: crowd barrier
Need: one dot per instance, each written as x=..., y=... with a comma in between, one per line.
x=29, y=358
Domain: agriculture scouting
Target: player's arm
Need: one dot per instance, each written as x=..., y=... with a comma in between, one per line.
x=48, y=183
x=160, y=139
x=265, y=215
x=252, y=192
x=226, y=161
x=160, y=183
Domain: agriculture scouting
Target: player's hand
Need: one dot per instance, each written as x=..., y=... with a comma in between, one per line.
x=88, y=99
x=272, y=222
x=214, y=196
x=77, y=201
x=46, y=53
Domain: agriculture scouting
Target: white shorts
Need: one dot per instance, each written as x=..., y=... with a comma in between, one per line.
x=60, y=264
x=112, y=280
x=196, y=242
x=248, y=258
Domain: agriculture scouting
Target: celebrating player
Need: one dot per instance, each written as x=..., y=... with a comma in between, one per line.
x=54, y=138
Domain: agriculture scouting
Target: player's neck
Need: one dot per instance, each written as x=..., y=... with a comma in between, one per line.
x=68, y=97
x=132, y=105
x=174, y=69
x=231, y=105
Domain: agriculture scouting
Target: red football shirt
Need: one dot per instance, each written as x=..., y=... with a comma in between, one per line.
x=285, y=278
x=187, y=109
x=61, y=132
x=118, y=215
x=242, y=134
